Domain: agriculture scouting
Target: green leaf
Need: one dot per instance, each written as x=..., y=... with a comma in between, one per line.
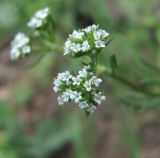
x=109, y=42
x=113, y=62
x=36, y=61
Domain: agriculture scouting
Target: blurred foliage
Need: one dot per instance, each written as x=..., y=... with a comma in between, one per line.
x=135, y=27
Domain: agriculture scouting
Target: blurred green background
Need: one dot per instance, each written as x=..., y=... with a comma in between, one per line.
x=32, y=125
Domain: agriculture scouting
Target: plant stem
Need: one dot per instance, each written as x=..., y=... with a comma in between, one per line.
x=134, y=86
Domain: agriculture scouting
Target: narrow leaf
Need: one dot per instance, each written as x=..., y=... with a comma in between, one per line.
x=113, y=62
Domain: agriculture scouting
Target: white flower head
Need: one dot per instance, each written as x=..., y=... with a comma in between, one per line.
x=20, y=46
x=81, y=89
x=86, y=41
x=39, y=19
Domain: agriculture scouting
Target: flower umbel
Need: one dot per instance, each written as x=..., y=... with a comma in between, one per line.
x=39, y=19
x=85, y=41
x=20, y=46
x=81, y=89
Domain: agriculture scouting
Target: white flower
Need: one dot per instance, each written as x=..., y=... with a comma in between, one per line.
x=42, y=14
x=76, y=47
x=86, y=67
x=92, y=108
x=100, y=44
x=60, y=100
x=94, y=81
x=77, y=96
x=15, y=53
x=56, y=89
x=83, y=73
x=83, y=105
x=20, y=40
x=64, y=76
x=76, y=34
x=76, y=80
x=87, y=85
x=69, y=94
x=99, y=97
x=68, y=45
x=63, y=98
x=35, y=23
x=90, y=28
x=26, y=49
x=97, y=35
x=68, y=83
x=85, y=46
x=20, y=46
x=39, y=19
x=61, y=78
x=100, y=34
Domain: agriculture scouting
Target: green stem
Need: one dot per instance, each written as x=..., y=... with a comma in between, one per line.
x=133, y=85
x=94, y=62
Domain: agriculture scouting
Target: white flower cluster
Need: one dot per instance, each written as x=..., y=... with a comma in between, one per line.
x=39, y=19
x=88, y=40
x=20, y=46
x=81, y=89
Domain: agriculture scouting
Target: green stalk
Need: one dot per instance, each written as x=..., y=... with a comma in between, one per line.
x=132, y=85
